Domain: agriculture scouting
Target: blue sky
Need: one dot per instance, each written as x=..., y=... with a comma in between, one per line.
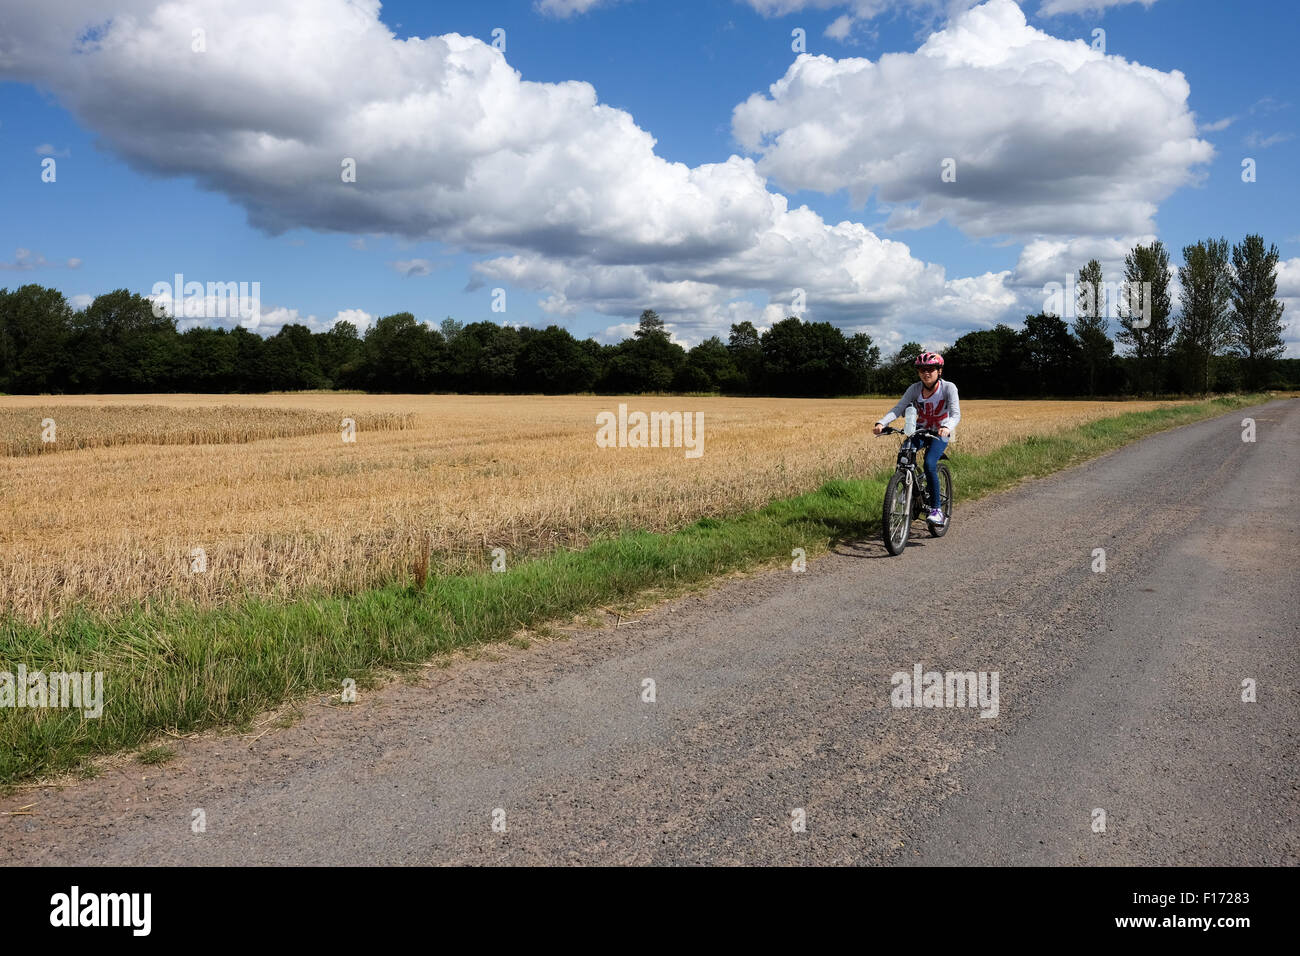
x=212, y=163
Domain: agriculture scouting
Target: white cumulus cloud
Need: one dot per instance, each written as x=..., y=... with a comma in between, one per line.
x=1050, y=260
x=1047, y=136
x=1288, y=291
x=567, y=197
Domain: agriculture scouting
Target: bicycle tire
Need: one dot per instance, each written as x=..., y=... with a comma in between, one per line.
x=945, y=502
x=895, y=541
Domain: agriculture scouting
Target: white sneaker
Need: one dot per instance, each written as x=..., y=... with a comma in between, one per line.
x=936, y=516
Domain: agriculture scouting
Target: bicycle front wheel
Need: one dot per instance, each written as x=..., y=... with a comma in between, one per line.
x=896, y=516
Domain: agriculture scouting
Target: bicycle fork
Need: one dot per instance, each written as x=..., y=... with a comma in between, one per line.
x=915, y=490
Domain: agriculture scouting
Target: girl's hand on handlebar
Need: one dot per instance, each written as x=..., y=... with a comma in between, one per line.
x=945, y=432
x=877, y=429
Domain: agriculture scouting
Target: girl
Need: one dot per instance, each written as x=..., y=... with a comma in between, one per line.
x=937, y=408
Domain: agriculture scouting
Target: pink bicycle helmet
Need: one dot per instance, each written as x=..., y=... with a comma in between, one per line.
x=929, y=360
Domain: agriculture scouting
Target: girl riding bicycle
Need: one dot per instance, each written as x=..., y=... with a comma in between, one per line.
x=937, y=407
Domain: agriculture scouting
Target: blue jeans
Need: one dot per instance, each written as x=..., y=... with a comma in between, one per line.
x=937, y=445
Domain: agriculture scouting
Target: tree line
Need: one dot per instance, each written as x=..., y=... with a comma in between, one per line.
x=1227, y=336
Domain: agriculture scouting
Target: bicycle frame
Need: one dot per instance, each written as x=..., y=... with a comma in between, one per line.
x=910, y=460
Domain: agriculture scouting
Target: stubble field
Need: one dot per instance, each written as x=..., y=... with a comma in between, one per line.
x=113, y=510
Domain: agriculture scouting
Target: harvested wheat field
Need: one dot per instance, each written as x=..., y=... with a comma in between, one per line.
x=101, y=426
x=281, y=505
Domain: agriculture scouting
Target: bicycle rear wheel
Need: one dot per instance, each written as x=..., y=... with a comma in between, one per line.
x=896, y=516
x=945, y=501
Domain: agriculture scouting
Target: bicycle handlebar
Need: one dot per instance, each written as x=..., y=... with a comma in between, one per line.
x=922, y=432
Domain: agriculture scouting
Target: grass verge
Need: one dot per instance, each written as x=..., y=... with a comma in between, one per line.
x=182, y=669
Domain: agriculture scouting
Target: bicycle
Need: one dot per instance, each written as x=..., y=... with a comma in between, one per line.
x=905, y=495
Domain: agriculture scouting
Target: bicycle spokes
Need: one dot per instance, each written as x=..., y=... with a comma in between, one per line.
x=900, y=512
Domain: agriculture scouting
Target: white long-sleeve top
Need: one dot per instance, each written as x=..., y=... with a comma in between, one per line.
x=940, y=410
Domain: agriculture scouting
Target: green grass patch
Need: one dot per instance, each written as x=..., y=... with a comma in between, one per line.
x=153, y=756
x=182, y=669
